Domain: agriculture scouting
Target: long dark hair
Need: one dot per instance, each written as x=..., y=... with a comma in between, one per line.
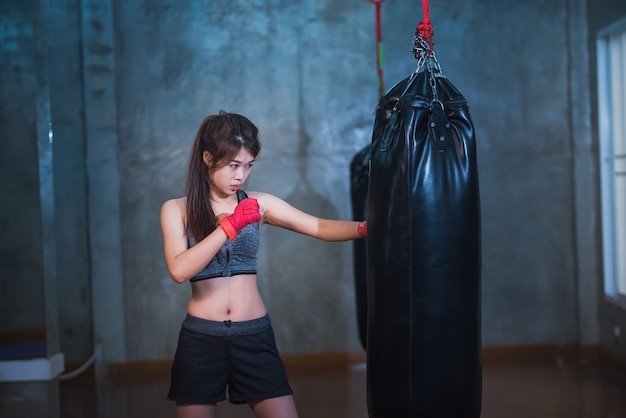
x=222, y=136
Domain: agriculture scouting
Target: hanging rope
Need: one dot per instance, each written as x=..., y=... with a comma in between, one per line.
x=425, y=28
x=379, y=45
x=423, y=49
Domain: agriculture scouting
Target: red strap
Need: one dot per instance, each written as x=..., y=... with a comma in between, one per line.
x=425, y=28
x=362, y=228
x=379, y=45
x=231, y=232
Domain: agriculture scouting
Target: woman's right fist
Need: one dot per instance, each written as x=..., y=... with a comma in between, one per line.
x=246, y=212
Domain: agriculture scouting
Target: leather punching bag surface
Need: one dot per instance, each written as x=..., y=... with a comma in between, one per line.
x=359, y=183
x=423, y=254
x=359, y=177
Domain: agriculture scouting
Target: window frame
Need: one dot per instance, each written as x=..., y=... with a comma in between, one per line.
x=613, y=289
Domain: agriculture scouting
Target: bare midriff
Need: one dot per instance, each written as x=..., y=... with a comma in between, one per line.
x=234, y=298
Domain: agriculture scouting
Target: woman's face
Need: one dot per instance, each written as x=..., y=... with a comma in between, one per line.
x=229, y=176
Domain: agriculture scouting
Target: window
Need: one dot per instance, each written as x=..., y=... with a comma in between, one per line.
x=611, y=50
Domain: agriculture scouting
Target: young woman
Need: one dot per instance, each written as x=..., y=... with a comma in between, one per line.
x=211, y=239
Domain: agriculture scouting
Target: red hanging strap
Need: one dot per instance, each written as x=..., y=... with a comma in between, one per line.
x=379, y=45
x=425, y=28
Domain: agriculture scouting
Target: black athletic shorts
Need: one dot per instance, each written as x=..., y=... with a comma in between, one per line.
x=214, y=355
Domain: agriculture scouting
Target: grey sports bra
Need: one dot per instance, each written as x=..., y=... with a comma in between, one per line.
x=238, y=256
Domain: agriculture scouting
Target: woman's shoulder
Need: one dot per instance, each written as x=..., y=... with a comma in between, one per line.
x=261, y=196
x=270, y=202
x=176, y=205
x=254, y=194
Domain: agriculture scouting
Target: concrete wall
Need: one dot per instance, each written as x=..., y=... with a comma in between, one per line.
x=305, y=74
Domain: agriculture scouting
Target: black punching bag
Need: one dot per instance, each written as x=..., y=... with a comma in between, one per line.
x=359, y=176
x=423, y=253
x=359, y=183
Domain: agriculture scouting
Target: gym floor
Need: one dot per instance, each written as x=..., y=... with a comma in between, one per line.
x=548, y=387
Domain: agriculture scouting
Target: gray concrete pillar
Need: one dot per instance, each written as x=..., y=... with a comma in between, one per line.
x=103, y=178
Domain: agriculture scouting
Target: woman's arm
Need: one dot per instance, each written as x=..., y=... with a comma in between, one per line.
x=279, y=213
x=183, y=263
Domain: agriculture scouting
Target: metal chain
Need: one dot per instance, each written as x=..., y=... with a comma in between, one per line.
x=426, y=59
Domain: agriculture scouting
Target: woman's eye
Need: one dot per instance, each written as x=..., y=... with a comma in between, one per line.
x=250, y=165
x=234, y=166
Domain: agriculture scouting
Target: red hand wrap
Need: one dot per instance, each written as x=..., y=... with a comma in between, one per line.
x=362, y=228
x=246, y=212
